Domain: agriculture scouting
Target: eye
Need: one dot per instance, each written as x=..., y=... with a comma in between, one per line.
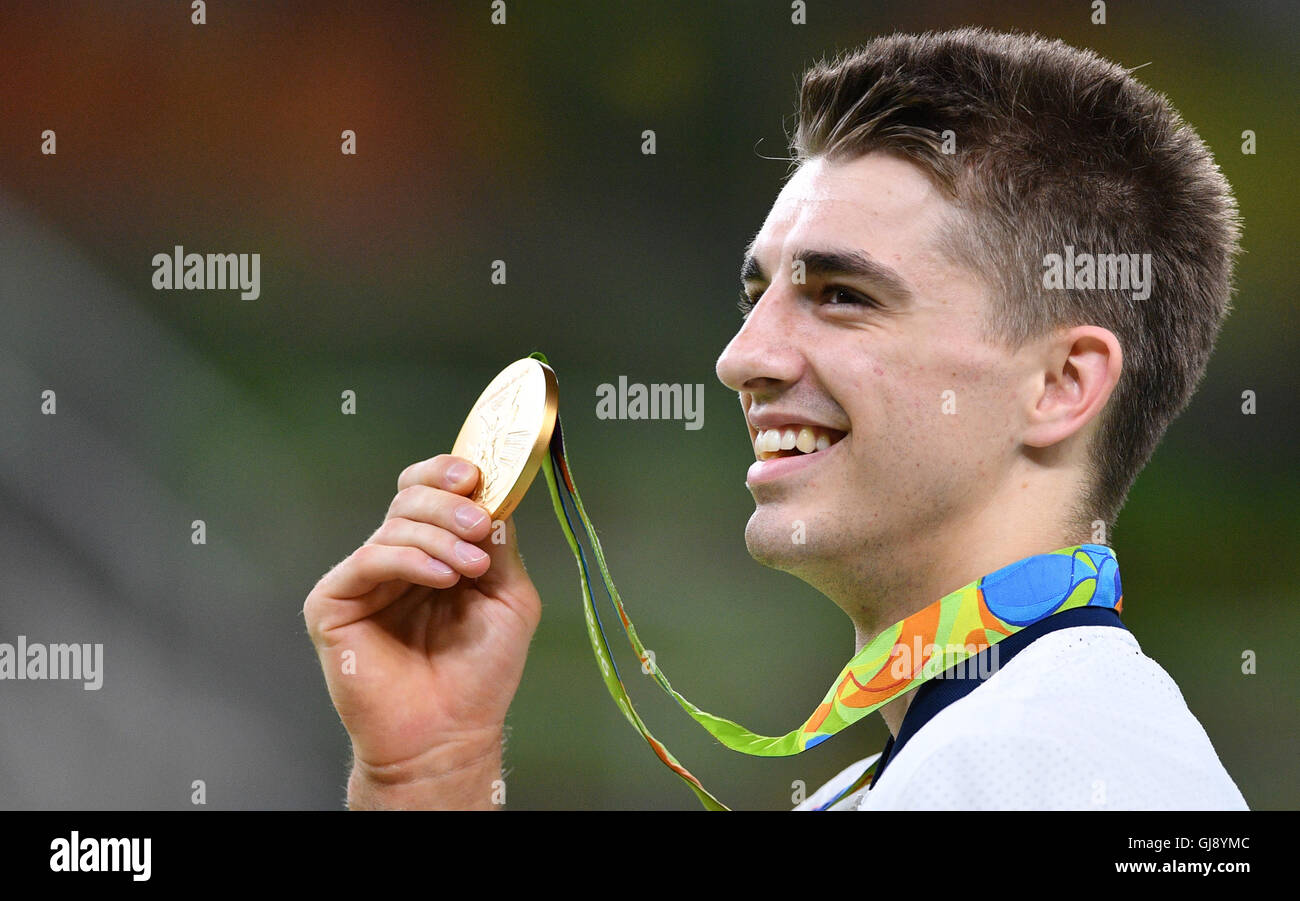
x=839, y=296
x=747, y=302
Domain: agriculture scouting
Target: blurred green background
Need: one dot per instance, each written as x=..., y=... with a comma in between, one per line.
x=521, y=143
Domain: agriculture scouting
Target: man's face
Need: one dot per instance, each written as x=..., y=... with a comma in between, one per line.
x=864, y=352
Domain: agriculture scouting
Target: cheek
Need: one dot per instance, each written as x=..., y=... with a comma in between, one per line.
x=943, y=417
x=976, y=413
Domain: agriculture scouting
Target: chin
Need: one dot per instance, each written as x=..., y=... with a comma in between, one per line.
x=769, y=540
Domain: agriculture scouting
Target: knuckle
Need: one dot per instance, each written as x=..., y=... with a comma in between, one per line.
x=312, y=616
x=407, y=475
x=389, y=529
x=366, y=557
x=407, y=499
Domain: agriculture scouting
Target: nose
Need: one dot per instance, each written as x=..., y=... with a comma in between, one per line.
x=764, y=354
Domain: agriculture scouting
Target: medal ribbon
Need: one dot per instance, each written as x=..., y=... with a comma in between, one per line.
x=951, y=630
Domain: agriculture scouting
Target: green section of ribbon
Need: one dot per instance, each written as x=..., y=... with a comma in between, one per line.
x=731, y=734
x=608, y=671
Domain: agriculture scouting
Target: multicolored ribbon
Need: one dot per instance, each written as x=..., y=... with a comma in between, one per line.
x=956, y=627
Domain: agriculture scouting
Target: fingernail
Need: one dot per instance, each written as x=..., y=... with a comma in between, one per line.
x=467, y=553
x=439, y=567
x=468, y=516
x=459, y=472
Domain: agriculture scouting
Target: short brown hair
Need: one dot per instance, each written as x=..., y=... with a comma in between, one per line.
x=1054, y=146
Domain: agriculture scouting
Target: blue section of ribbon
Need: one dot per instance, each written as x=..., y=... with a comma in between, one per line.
x=1037, y=586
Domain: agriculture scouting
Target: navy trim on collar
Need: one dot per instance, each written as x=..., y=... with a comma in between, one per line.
x=959, y=681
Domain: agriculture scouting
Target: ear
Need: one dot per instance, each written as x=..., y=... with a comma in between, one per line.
x=1081, y=367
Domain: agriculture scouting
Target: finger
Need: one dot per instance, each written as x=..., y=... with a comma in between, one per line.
x=443, y=471
x=440, y=508
x=436, y=542
x=373, y=564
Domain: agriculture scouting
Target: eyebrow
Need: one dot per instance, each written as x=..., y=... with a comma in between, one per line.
x=824, y=263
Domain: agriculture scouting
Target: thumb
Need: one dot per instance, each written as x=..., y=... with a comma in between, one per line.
x=506, y=577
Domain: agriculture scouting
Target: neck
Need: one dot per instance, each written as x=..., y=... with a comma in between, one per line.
x=899, y=581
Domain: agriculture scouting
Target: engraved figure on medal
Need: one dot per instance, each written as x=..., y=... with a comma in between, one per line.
x=507, y=434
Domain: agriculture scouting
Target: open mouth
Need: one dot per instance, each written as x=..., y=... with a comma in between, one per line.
x=794, y=441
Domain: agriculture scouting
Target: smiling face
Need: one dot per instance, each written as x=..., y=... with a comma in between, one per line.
x=861, y=329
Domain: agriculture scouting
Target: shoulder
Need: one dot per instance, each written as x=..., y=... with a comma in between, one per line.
x=1079, y=719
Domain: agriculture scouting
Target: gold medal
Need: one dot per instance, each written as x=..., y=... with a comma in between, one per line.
x=507, y=433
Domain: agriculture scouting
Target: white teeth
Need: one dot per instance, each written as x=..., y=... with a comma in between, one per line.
x=806, y=439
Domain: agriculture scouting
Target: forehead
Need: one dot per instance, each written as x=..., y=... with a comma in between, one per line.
x=877, y=203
